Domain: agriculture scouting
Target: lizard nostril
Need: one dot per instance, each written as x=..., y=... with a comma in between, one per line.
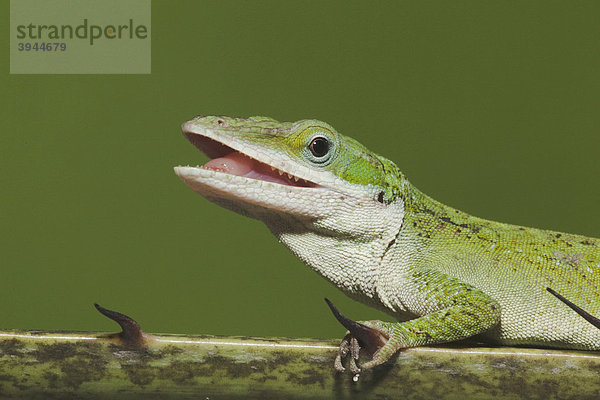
x=221, y=122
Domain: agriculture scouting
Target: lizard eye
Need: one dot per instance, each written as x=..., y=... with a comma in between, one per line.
x=319, y=147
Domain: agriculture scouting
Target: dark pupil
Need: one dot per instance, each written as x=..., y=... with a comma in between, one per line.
x=319, y=147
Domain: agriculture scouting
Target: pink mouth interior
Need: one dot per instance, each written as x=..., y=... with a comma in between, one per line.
x=225, y=159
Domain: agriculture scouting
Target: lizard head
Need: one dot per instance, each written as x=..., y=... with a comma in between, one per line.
x=295, y=168
x=301, y=178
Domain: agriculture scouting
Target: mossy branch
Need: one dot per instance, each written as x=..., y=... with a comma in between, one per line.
x=36, y=364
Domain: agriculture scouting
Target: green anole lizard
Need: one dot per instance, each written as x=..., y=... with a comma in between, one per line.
x=353, y=217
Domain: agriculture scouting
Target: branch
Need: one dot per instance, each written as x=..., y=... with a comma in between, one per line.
x=36, y=364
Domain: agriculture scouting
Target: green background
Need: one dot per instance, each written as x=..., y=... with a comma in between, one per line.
x=491, y=107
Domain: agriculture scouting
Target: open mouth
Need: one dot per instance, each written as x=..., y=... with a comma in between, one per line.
x=230, y=161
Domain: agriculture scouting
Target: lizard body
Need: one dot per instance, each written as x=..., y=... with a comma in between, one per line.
x=354, y=218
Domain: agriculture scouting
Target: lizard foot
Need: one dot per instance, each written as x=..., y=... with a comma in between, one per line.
x=371, y=336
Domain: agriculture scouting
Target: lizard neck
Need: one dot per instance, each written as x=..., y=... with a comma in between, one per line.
x=347, y=247
x=424, y=215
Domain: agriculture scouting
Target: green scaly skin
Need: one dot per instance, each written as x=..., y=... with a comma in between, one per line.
x=355, y=219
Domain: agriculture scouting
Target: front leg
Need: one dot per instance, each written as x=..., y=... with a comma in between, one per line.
x=457, y=311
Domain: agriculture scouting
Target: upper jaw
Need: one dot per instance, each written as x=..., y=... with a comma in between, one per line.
x=246, y=194
x=219, y=141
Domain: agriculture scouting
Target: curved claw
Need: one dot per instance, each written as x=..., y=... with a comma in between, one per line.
x=370, y=339
x=349, y=345
x=354, y=353
x=132, y=334
x=342, y=353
